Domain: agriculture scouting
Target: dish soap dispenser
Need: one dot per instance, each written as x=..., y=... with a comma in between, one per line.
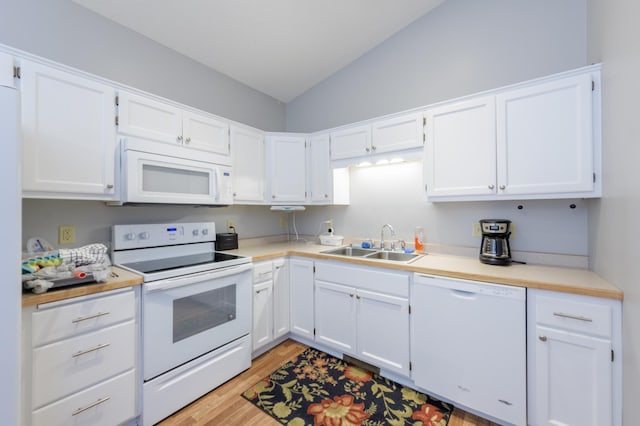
x=418, y=239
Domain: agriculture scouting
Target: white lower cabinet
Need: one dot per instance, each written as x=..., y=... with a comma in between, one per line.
x=301, y=293
x=270, y=302
x=79, y=360
x=364, y=312
x=574, y=360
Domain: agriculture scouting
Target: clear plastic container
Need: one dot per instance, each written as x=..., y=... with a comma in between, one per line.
x=418, y=239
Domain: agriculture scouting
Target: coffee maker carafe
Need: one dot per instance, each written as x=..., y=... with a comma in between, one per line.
x=494, y=248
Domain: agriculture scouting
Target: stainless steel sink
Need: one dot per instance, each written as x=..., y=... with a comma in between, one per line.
x=349, y=251
x=373, y=254
x=393, y=255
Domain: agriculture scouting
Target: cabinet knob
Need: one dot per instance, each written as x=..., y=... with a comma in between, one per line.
x=235, y=193
x=188, y=140
x=502, y=186
x=110, y=186
x=179, y=138
x=326, y=195
x=350, y=294
x=373, y=148
x=542, y=338
x=367, y=149
x=273, y=196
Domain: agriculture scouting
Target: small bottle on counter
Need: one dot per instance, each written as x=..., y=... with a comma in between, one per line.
x=418, y=239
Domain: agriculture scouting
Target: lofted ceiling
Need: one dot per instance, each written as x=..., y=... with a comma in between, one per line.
x=279, y=47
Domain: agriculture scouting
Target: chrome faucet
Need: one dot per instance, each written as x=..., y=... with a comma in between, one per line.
x=393, y=234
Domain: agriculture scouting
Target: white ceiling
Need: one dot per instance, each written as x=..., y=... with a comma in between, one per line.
x=279, y=47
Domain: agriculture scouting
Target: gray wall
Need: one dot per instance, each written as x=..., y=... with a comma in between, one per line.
x=65, y=32
x=461, y=47
x=614, y=234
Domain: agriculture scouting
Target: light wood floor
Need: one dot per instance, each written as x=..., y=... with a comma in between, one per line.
x=225, y=407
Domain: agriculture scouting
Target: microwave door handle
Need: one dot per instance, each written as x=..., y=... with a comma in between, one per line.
x=194, y=278
x=217, y=187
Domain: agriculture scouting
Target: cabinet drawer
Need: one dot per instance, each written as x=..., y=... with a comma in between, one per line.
x=61, y=322
x=65, y=367
x=581, y=315
x=109, y=403
x=262, y=272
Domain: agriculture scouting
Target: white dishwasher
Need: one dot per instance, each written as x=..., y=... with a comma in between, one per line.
x=468, y=344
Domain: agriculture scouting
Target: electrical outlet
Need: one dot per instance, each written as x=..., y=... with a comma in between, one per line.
x=476, y=229
x=283, y=221
x=66, y=234
x=231, y=225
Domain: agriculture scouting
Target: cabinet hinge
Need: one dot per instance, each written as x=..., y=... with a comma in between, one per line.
x=612, y=357
x=594, y=178
x=16, y=72
x=117, y=120
x=593, y=85
x=117, y=100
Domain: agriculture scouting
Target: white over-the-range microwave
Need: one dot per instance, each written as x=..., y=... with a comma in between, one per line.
x=161, y=173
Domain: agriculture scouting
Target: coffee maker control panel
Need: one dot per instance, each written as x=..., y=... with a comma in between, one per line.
x=494, y=228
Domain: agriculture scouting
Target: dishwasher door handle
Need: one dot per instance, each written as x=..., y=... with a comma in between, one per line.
x=463, y=294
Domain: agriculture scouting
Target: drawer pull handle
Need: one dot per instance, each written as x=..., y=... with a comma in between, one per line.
x=80, y=353
x=575, y=317
x=83, y=409
x=542, y=338
x=98, y=315
x=505, y=402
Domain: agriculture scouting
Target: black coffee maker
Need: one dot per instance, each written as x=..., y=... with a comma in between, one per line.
x=494, y=248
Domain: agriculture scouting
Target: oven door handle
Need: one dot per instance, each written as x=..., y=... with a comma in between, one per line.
x=195, y=278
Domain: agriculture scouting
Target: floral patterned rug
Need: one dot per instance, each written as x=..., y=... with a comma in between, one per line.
x=317, y=389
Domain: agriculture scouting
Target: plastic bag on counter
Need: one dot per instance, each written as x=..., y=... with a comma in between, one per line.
x=86, y=264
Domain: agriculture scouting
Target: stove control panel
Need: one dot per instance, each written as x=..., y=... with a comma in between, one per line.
x=125, y=237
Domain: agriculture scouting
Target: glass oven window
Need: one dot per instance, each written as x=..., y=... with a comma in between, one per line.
x=203, y=311
x=175, y=180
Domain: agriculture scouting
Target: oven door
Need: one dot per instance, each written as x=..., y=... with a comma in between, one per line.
x=159, y=177
x=188, y=316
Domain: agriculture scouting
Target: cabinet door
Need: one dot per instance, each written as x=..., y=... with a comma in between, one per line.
x=280, y=298
x=336, y=316
x=545, y=138
x=351, y=142
x=301, y=307
x=383, y=331
x=321, y=175
x=150, y=119
x=573, y=379
x=460, y=150
x=247, y=147
x=397, y=133
x=68, y=133
x=287, y=169
x=262, y=314
x=205, y=133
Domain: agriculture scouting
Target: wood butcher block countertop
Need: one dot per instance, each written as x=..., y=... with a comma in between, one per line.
x=567, y=280
x=119, y=279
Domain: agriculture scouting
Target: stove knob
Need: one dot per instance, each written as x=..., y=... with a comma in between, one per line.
x=130, y=236
x=205, y=231
x=195, y=232
x=144, y=235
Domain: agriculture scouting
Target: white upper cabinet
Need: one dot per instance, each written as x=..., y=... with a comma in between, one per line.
x=320, y=173
x=148, y=118
x=536, y=140
x=287, y=168
x=398, y=133
x=248, y=155
x=69, y=134
x=460, y=153
x=545, y=138
x=351, y=143
x=379, y=137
